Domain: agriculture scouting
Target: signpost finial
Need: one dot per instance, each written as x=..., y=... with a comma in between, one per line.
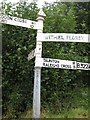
x=41, y=14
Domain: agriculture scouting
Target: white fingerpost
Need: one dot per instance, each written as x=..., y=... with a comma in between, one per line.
x=37, y=72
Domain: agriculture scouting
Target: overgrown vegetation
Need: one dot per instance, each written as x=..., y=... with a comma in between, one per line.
x=61, y=90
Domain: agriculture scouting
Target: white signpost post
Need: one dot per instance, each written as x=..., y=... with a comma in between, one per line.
x=37, y=53
x=37, y=76
x=63, y=37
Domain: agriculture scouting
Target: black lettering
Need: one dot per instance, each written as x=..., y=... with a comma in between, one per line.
x=68, y=37
x=73, y=38
x=74, y=65
x=86, y=65
x=10, y=18
x=15, y=19
x=20, y=20
x=51, y=65
x=55, y=37
x=50, y=37
x=54, y=65
x=65, y=66
x=51, y=60
x=45, y=64
x=78, y=65
x=32, y=26
x=79, y=37
x=45, y=60
x=82, y=65
x=60, y=37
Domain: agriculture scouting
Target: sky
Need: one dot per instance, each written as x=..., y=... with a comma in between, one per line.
x=39, y=2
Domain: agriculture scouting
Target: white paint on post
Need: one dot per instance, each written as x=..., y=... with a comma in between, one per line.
x=63, y=64
x=63, y=37
x=37, y=74
x=36, y=94
x=19, y=22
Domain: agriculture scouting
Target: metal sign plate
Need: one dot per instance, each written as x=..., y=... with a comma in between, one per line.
x=63, y=37
x=19, y=22
x=63, y=64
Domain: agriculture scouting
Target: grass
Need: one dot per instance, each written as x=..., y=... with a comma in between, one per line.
x=80, y=110
x=72, y=113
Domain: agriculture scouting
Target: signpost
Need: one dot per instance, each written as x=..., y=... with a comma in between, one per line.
x=63, y=37
x=37, y=74
x=19, y=22
x=63, y=64
x=37, y=53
